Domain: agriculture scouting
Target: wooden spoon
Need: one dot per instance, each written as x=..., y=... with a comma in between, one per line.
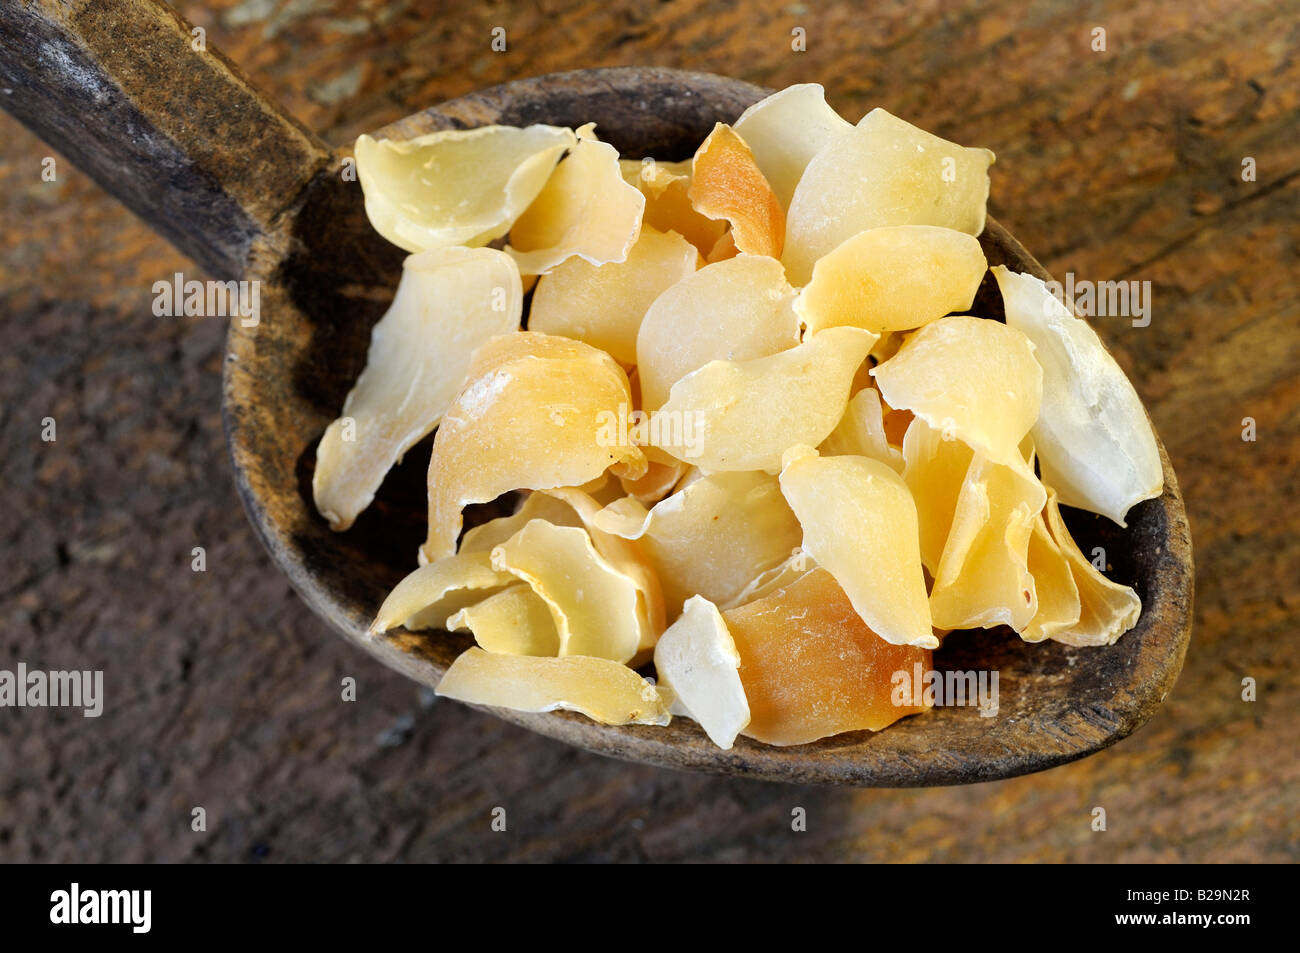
x=182, y=139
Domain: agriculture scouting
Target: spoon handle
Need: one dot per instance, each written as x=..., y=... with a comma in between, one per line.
x=135, y=98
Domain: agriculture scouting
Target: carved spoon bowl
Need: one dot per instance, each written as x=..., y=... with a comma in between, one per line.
x=249, y=194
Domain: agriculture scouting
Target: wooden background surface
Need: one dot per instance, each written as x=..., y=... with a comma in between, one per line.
x=223, y=690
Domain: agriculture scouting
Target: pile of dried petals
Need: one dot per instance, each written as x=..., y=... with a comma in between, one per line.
x=760, y=444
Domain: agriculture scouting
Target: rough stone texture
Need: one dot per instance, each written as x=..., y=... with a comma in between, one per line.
x=223, y=690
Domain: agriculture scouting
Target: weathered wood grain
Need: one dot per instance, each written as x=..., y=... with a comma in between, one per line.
x=159, y=119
